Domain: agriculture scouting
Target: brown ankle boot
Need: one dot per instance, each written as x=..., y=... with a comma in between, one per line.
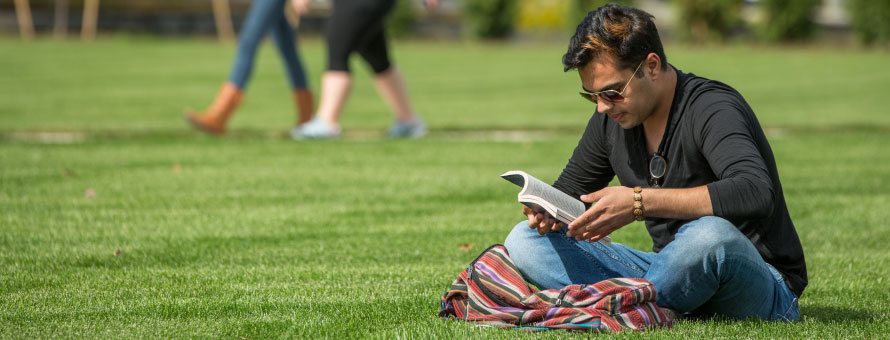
x=304, y=103
x=213, y=120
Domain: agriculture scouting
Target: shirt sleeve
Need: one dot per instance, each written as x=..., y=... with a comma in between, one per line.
x=727, y=130
x=588, y=169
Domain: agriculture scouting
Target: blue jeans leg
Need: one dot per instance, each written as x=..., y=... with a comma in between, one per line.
x=264, y=17
x=555, y=260
x=286, y=41
x=710, y=269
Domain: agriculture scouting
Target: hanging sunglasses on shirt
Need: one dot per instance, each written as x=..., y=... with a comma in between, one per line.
x=611, y=96
x=657, y=169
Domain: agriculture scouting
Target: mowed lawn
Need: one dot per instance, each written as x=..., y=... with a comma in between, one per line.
x=117, y=221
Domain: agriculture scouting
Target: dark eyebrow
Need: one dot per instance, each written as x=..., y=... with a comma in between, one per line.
x=612, y=86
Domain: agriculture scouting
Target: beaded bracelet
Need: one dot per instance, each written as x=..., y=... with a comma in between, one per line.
x=638, y=203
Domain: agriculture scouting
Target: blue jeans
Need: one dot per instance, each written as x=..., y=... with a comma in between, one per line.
x=263, y=17
x=709, y=269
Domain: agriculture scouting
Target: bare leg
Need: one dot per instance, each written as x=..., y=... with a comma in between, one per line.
x=391, y=87
x=335, y=87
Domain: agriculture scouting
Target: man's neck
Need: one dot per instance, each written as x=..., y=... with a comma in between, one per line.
x=655, y=124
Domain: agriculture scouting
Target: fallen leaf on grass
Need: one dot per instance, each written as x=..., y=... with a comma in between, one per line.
x=176, y=168
x=89, y=193
x=118, y=252
x=465, y=247
x=67, y=173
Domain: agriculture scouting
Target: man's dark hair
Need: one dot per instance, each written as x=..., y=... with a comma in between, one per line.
x=628, y=34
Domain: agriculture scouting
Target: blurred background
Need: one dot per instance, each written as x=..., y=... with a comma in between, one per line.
x=136, y=65
x=692, y=20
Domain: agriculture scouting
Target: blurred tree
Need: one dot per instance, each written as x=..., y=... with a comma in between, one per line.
x=871, y=20
x=578, y=9
x=541, y=15
x=789, y=20
x=708, y=20
x=491, y=19
x=403, y=18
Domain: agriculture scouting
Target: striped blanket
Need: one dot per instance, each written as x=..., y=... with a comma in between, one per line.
x=492, y=292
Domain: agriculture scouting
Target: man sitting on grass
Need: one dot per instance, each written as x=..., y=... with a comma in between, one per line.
x=693, y=163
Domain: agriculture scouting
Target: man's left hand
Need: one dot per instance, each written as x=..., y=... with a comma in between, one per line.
x=612, y=209
x=300, y=6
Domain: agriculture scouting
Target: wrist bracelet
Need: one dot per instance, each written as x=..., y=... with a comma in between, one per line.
x=638, y=204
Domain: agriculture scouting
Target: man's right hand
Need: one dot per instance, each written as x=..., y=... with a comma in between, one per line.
x=542, y=221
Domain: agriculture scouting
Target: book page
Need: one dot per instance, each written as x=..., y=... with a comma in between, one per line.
x=567, y=206
x=539, y=195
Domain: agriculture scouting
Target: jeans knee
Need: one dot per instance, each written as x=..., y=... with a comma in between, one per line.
x=525, y=247
x=710, y=232
x=519, y=238
x=708, y=237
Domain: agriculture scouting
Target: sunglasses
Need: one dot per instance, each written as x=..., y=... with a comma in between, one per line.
x=611, y=96
x=657, y=170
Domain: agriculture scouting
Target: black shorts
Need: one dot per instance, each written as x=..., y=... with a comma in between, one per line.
x=358, y=26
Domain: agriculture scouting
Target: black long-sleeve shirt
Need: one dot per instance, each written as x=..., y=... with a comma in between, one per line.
x=714, y=139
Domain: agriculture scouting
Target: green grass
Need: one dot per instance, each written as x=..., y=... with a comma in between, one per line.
x=128, y=225
x=142, y=85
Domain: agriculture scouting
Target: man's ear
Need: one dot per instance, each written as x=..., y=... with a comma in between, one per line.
x=652, y=66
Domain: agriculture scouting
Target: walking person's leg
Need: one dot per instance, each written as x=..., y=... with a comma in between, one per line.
x=287, y=44
x=342, y=35
x=352, y=27
x=259, y=21
x=391, y=85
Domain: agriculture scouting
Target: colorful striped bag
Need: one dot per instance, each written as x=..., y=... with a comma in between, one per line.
x=492, y=292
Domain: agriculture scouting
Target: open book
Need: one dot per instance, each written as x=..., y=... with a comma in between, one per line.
x=541, y=197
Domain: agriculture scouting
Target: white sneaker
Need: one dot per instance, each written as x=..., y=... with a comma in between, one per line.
x=315, y=129
x=413, y=129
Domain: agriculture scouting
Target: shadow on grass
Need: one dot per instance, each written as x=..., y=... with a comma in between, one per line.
x=836, y=314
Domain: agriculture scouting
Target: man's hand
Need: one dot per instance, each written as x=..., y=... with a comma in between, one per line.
x=541, y=221
x=612, y=209
x=301, y=6
x=432, y=4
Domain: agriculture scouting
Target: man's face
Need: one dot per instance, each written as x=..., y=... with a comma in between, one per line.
x=602, y=74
